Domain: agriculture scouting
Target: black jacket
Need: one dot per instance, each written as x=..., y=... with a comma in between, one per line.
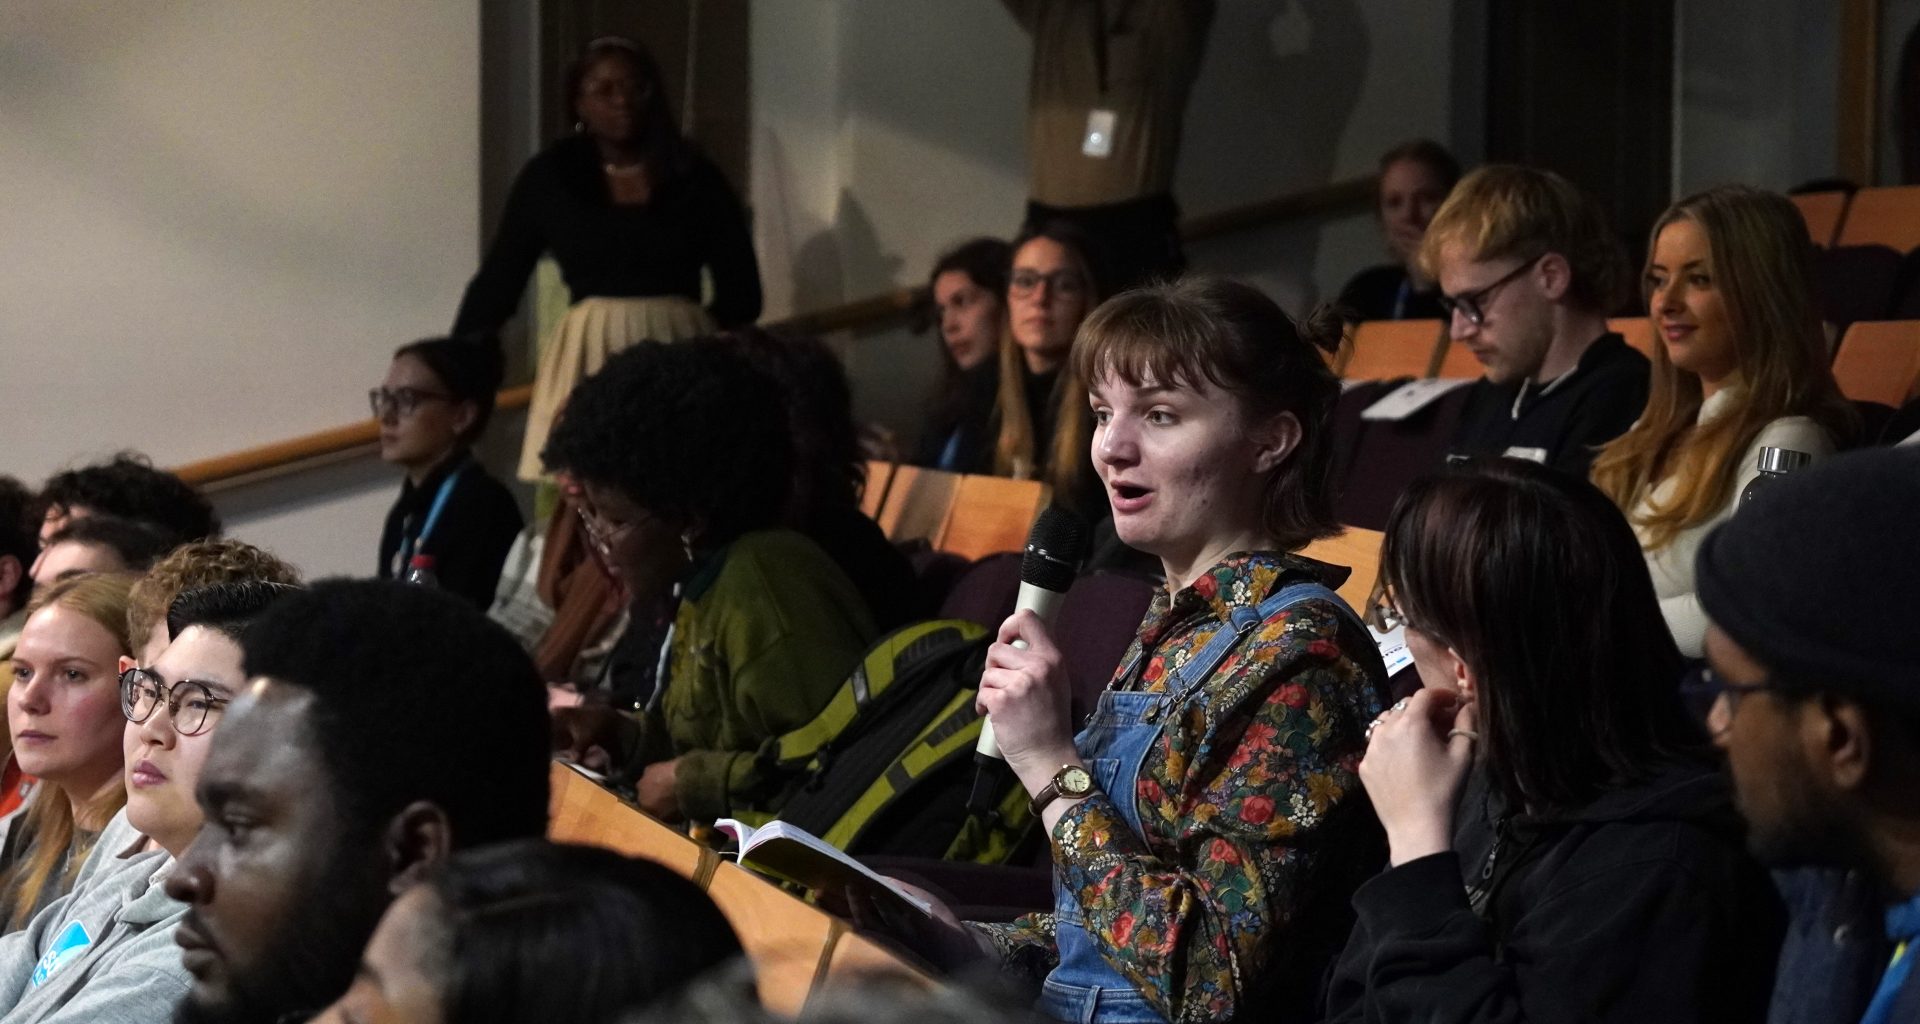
x=1642, y=907
x=1567, y=420
x=469, y=544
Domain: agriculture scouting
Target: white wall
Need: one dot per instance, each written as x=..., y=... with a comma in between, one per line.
x=886, y=130
x=1755, y=92
x=220, y=218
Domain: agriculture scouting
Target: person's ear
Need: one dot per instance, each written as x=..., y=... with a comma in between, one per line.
x=125, y=664
x=418, y=840
x=1838, y=732
x=465, y=415
x=1275, y=440
x=1555, y=275
x=1464, y=678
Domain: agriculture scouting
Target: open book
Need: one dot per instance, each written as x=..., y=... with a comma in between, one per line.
x=792, y=855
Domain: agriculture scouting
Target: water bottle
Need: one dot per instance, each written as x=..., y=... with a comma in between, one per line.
x=1774, y=464
x=420, y=572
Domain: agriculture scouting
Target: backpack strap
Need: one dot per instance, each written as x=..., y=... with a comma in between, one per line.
x=1241, y=621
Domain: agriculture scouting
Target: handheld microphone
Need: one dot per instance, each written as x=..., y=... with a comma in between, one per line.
x=1055, y=549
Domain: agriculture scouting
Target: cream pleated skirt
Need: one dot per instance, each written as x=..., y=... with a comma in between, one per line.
x=593, y=330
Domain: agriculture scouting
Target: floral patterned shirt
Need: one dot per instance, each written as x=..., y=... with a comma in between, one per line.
x=1233, y=795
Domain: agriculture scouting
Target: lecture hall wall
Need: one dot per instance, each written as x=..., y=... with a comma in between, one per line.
x=221, y=218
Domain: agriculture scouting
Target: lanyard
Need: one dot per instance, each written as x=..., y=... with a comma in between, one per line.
x=419, y=539
x=1903, y=927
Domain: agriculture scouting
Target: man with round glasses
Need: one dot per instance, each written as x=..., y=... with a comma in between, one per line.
x=1528, y=270
x=105, y=951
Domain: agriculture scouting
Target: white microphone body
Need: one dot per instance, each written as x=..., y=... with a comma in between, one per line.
x=1042, y=602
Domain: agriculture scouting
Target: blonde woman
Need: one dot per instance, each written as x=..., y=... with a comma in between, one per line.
x=1041, y=424
x=1742, y=366
x=63, y=710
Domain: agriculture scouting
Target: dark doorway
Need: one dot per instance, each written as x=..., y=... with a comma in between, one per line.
x=1586, y=89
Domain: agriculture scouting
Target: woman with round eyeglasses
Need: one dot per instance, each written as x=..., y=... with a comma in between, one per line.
x=432, y=407
x=105, y=951
x=1562, y=845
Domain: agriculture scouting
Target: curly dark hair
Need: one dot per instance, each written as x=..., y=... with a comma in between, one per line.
x=137, y=543
x=689, y=430
x=129, y=486
x=19, y=537
x=829, y=470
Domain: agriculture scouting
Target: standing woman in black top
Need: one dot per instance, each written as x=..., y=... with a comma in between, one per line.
x=633, y=215
x=432, y=407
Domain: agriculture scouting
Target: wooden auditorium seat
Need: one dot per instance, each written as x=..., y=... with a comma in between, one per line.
x=1824, y=212
x=1879, y=361
x=1637, y=330
x=1357, y=549
x=916, y=503
x=1883, y=216
x=797, y=950
x=990, y=514
x=1391, y=349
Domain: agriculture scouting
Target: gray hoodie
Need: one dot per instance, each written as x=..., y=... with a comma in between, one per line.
x=104, y=953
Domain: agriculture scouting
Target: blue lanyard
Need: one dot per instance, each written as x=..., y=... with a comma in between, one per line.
x=1903, y=927
x=419, y=539
x=1400, y=298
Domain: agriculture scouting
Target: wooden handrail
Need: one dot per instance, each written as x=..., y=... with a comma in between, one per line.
x=359, y=438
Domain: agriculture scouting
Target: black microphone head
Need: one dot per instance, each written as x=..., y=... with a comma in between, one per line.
x=1055, y=549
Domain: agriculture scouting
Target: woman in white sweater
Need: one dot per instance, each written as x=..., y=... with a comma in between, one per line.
x=1742, y=366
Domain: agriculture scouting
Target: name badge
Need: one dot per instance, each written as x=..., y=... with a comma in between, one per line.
x=1099, y=140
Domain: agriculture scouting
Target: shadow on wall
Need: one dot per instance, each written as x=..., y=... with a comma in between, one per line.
x=846, y=250
x=1277, y=89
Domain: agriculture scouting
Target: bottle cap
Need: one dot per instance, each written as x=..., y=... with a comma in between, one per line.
x=1782, y=460
x=420, y=562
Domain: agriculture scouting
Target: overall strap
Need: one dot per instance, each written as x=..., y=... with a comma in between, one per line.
x=1241, y=621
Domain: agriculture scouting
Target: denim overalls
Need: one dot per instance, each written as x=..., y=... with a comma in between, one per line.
x=1085, y=988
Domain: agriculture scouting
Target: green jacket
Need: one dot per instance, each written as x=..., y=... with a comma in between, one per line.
x=767, y=630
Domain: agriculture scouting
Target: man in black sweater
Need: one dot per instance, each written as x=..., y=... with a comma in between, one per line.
x=1528, y=269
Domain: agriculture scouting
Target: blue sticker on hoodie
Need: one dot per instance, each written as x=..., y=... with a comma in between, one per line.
x=70, y=944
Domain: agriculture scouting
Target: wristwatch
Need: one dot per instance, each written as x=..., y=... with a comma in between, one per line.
x=1071, y=781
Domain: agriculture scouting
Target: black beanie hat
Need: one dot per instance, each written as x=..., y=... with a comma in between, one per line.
x=1819, y=577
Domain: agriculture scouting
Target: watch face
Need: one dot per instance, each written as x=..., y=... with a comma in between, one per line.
x=1075, y=781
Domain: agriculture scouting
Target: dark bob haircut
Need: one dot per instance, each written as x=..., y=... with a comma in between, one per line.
x=129, y=487
x=19, y=537
x=416, y=696
x=688, y=430
x=1229, y=335
x=534, y=930
x=1427, y=153
x=470, y=369
x=1535, y=580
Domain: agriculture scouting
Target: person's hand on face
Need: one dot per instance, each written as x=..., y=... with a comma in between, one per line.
x=1418, y=755
x=1026, y=695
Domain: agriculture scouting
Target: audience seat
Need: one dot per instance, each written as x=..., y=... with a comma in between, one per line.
x=991, y=514
x=1638, y=332
x=1095, y=624
x=1359, y=550
x=1388, y=349
x=986, y=591
x=1387, y=456
x=916, y=503
x=1883, y=216
x=1824, y=213
x=1879, y=362
x=1856, y=282
x=873, y=496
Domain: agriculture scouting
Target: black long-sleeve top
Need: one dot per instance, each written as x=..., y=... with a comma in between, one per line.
x=560, y=204
x=469, y=544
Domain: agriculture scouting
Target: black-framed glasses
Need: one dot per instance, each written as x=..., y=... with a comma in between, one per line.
x=1473, y=305
x=191, y=705
x=1063, y=282
x=402, y=401
x=1704, y=686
